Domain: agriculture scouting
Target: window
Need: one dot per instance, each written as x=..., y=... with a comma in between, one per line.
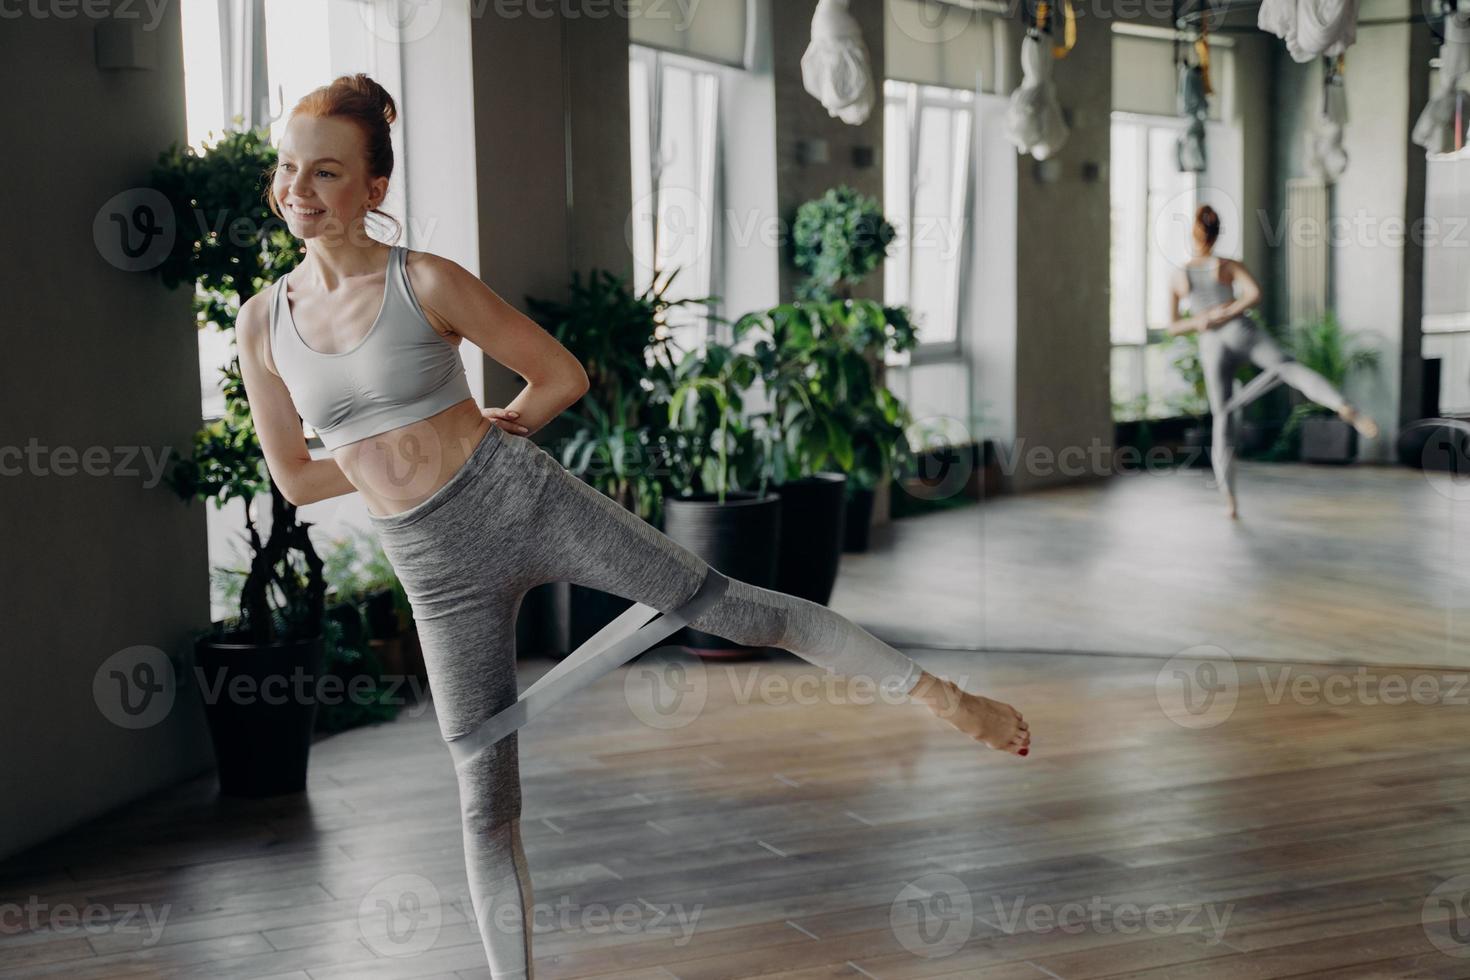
x=674, y=106
x=205, y=120
x=1446, y=320
x=1152, y=209
x=926, y=179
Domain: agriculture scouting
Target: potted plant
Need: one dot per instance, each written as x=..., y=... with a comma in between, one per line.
x=1193, y=404
x=716, y=453
x=624, y=344
x=362, y=694
x=864, y=331
x=379, y=650
x=1325, y=347
x=946, y=470
x=261, y=743
x=837, y=239
x=807, y=450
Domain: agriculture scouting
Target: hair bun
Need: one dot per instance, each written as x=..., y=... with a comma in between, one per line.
x=1207, y=221
x=368, y=86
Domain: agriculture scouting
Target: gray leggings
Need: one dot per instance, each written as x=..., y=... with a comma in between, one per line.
x=1222, y=350
x=511, y=518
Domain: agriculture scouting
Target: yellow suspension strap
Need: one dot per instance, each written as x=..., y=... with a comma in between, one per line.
x=1202, y=55
x=1069, y=26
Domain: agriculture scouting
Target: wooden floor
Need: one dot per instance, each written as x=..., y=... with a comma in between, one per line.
x=1293, y=837
x=1216, y=819
x=1328, y=564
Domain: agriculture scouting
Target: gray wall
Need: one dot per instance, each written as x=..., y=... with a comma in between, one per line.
x=90, y=564
x=552, y=156
x=553, y=183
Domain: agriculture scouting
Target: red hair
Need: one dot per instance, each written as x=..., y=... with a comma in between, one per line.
x=363, y=101
x=1208, y=222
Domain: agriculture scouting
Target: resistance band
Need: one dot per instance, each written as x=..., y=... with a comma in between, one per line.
x=1254, y=388
x=612, y=646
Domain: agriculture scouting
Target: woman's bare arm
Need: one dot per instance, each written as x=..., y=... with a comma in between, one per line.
x=463, y=305
x=1177, y=324
x=301, y=479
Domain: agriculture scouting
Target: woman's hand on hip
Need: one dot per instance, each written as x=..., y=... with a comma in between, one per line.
x=506, y=419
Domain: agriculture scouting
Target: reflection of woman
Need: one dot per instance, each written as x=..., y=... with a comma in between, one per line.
x=362, y=338
x=1227, y=338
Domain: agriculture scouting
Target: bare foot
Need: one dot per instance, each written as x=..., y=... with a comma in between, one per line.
x=1367, y=428
x=995, y=723
x=1230, y=506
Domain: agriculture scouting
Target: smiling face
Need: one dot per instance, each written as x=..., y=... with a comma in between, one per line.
x=322, y=183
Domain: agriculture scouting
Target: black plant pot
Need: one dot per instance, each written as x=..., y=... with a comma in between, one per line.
x=260, y=705
x=741, y=538
x=1257, y=437
x=813, y=515
x=1196, y=441
x=858, y=520
x=1328, y=441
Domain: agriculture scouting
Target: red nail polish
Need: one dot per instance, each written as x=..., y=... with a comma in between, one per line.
x=1024, y=751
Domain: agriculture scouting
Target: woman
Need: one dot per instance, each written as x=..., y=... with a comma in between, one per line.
x=361, y=339
x=1227, y=338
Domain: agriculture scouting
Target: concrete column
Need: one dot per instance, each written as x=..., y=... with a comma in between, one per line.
x=1046, y=375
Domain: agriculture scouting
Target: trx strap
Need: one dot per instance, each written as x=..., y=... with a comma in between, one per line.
x=1202, y=55
x=1069, y=26
x=612, y=646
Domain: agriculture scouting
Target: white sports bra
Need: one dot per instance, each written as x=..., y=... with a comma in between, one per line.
x=401, y=372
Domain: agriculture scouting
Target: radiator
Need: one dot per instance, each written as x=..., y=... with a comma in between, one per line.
x=1307, y=252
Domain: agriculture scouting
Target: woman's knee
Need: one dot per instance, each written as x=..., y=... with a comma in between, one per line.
x=490, y=786
x=756, y=616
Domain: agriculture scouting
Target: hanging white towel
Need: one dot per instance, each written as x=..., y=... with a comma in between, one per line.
x=1311, y=28
x=1326, y=157
x=1431, y=129
x=1195, y=106
x=1034, y=120
x=835, y=69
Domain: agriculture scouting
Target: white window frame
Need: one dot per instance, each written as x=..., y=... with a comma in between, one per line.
x=1446, y=334
x=1152, y=334
x=653, y=205
x=912, y=98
